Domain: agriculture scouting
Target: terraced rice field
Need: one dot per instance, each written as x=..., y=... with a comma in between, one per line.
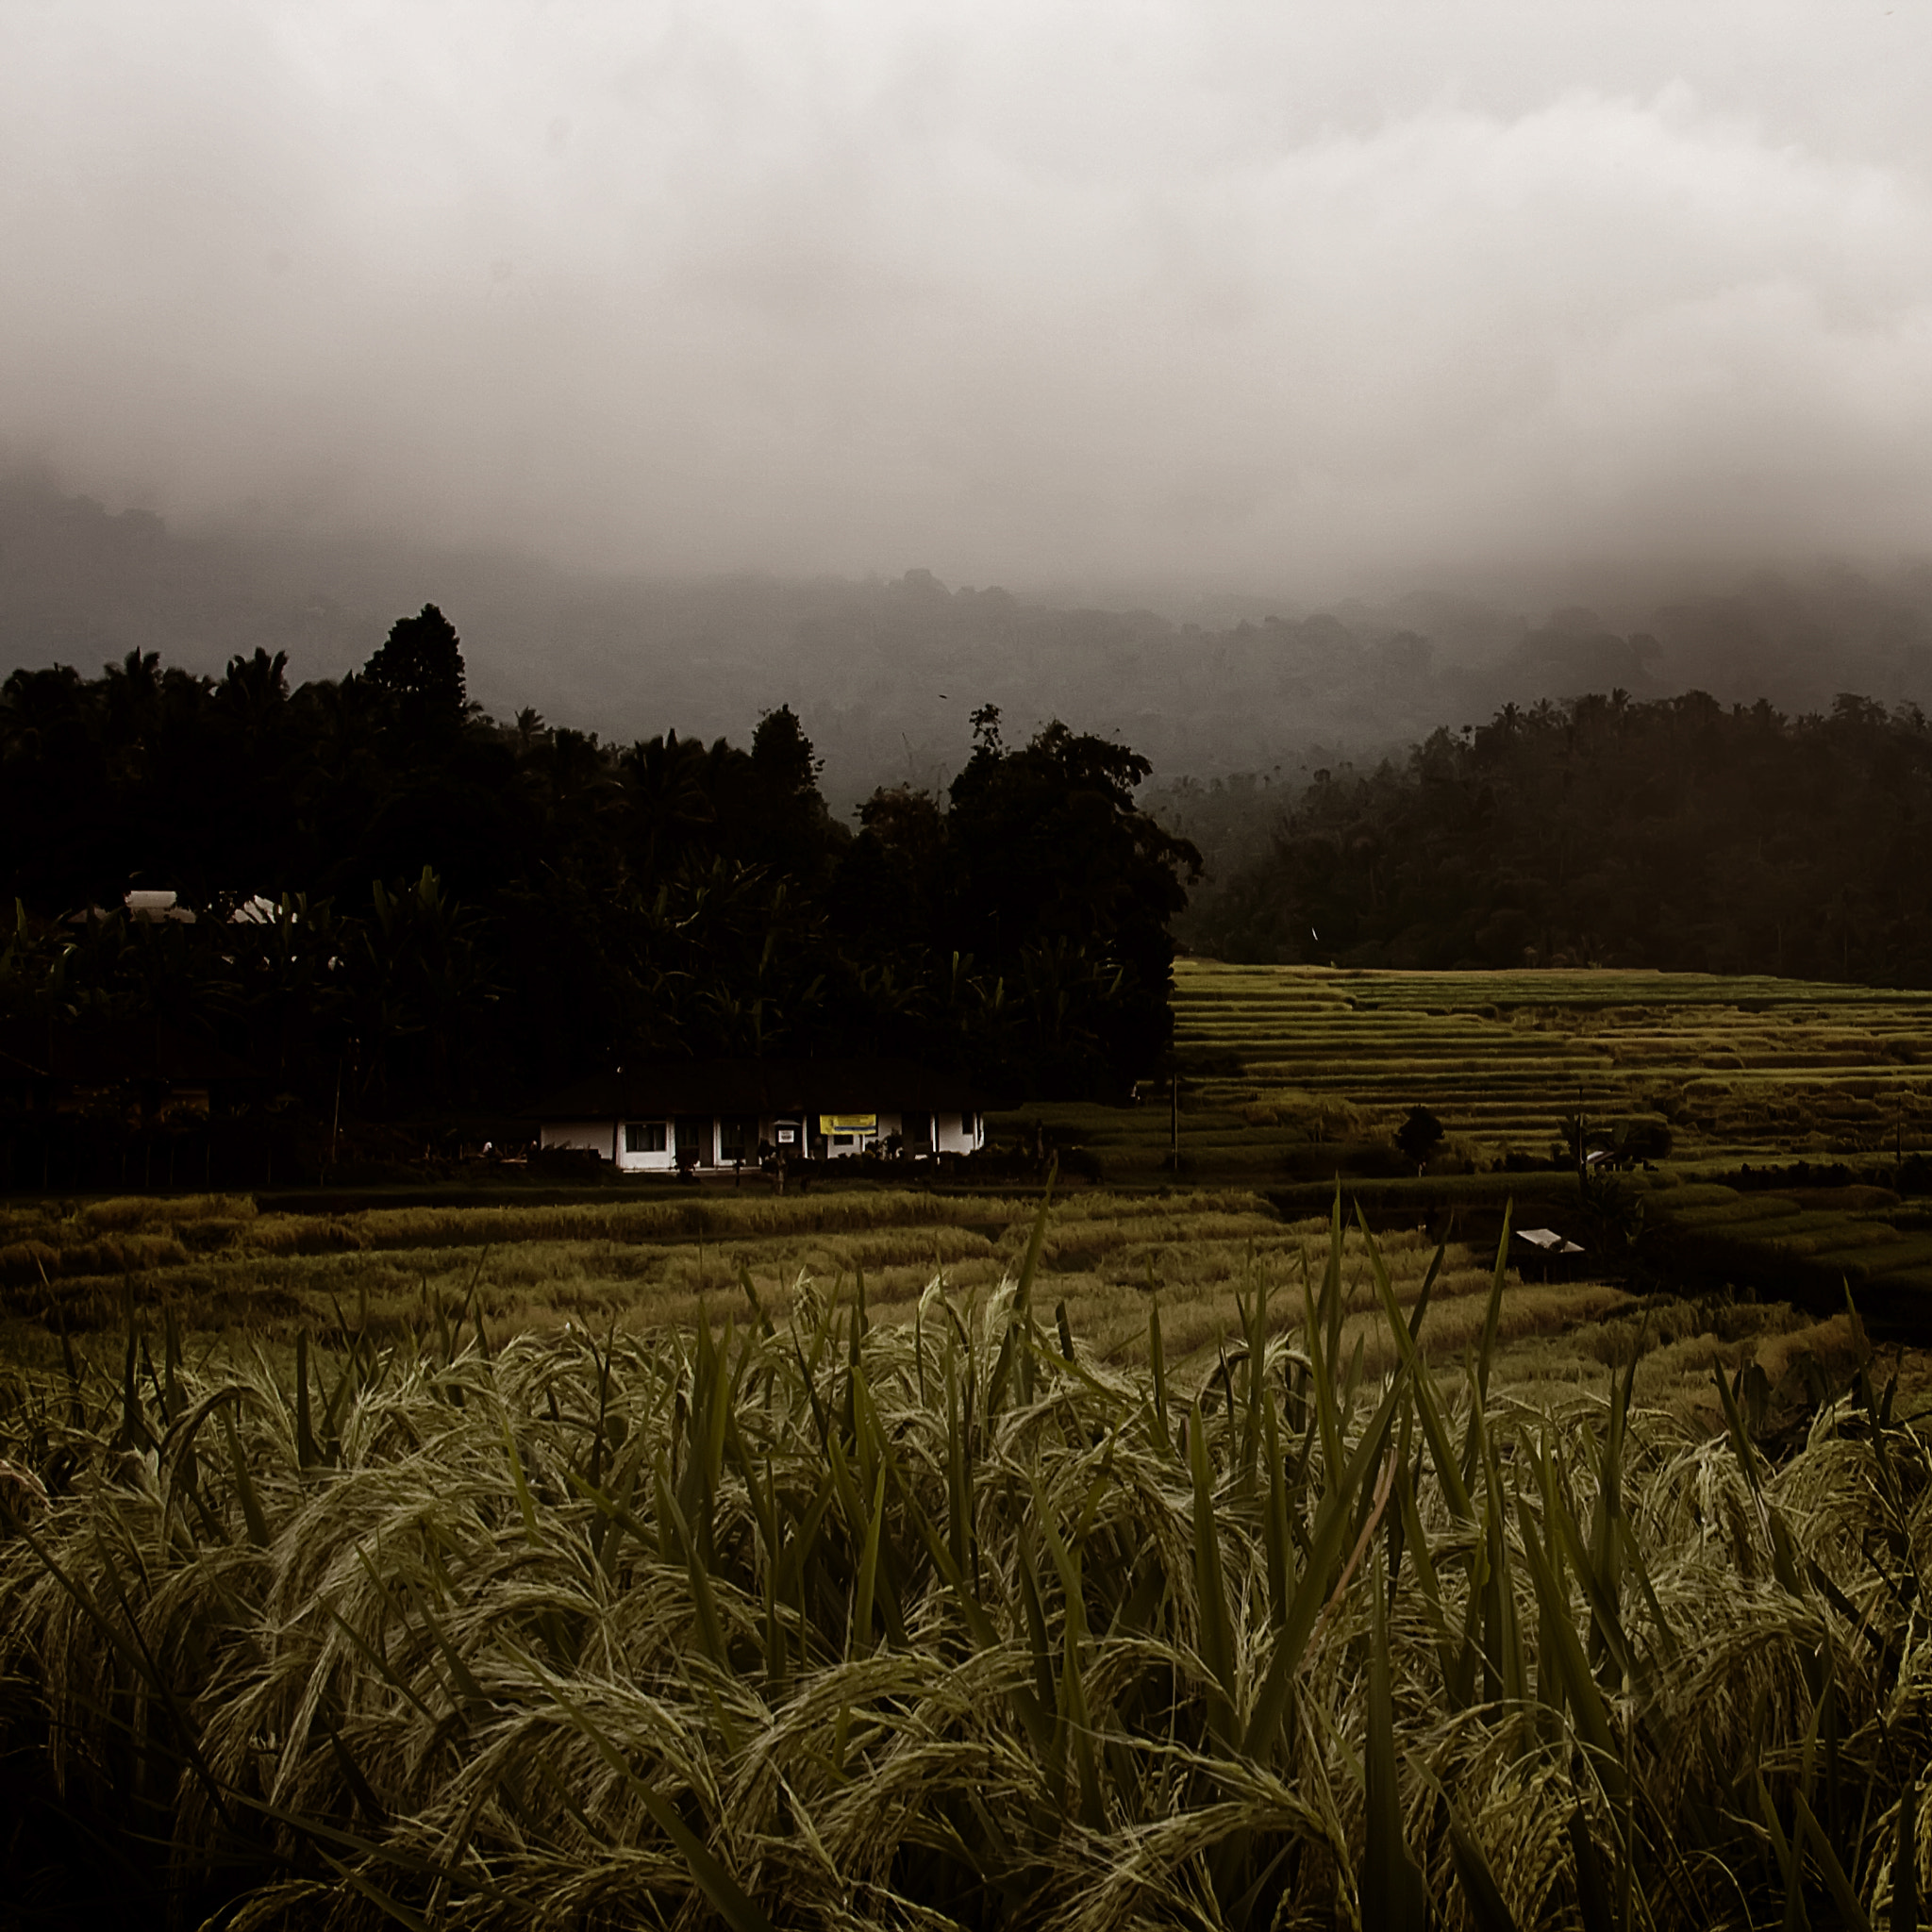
x=1289, y=1061
x=234, y=1275
x=231, y=1280
x=1784, y=1241
x=953, y=1622
x=529, y=1546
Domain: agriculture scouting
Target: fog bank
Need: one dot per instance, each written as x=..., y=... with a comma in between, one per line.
x=1238, y=299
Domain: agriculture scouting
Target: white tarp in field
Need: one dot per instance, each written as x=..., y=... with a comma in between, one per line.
x=1548, y=1240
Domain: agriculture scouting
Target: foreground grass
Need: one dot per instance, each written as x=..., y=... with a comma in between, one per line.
x=811, y=1619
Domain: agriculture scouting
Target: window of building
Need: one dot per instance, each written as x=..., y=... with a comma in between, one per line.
x=966, y=1126
x=915, y=1132
x=693, y=1136
x=643, y=1136
x=737, y=1138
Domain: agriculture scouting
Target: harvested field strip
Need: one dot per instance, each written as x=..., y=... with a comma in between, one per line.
x=1876, y=1261
x=1831, y=1236
x=102, y=1227
x=1741, y=1211
x=253, y=1279
x=1102, y=1255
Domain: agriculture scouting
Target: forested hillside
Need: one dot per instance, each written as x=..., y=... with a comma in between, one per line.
x=401, y=899
x=1679, y=833
x=888, y=669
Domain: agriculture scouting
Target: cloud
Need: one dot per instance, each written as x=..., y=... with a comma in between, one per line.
x=1019, y=293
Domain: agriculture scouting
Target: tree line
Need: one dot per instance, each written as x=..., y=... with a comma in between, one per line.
x=400, y=899
x=1679, y=833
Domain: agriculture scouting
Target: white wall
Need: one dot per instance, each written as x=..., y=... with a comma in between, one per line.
x=643, y=1162
x=948, y=1135
x=607, y=1139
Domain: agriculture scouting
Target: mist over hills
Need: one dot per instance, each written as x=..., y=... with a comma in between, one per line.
x=885, y=672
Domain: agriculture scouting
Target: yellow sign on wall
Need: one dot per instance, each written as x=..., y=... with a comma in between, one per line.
x=848, y=1124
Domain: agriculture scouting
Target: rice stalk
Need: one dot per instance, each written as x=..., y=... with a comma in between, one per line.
x=821, y=1621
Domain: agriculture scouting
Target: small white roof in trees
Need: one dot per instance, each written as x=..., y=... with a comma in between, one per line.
x=143, y=903
x=1548, y=1240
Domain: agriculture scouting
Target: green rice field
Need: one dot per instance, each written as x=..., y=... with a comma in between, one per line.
x=1290, y=1069
x=794, y=1617
x=233, y=1279
x=1296, y=1076
x=1163, y=1552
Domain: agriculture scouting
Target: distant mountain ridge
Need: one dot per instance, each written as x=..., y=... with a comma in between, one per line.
x=887, y=672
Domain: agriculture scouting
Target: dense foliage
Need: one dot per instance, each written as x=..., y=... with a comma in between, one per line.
x=817, y=1622
x=401, y=898
x=1678, y=834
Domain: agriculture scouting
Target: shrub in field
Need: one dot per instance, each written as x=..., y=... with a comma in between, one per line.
x=1419, y=1135
x=945, y=1624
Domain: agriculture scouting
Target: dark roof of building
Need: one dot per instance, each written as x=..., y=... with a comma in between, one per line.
x=660, y=1088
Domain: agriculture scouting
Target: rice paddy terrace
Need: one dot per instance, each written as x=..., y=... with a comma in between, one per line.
x=1292, y=1071
x=537, y=1541
x=1735, y=1066
x=1294, y=1075
x=815, y=1620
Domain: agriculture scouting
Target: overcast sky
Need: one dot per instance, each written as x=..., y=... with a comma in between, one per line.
x=1276, y=296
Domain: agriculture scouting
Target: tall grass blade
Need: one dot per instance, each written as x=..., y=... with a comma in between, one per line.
x=1211, y=1596
x=1325, y=1417
x=1492, y=1312
x=1072, y=1693
x=1016, y=1354
x=306, y=1452
x=1276, y=1535
x=1325, y=1545
x=1429, y=1403
x=1789, y=1858
x=727, y=1898
x=703, y=1602
x=252, y=1512
x=1592, y=1885
x=1392, y=1893
x=1156, y=1357
x=1587, y=1710
x=1844, y=1896
x=1905, y=1862
x=1480, y=1892
x=861, y=1642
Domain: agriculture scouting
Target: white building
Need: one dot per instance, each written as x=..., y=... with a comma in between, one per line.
x=721, y=1114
